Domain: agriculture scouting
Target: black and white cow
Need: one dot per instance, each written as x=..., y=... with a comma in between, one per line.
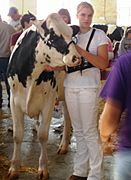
x=33, y=90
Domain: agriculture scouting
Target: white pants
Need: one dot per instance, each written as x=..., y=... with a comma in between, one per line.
x=82, y=105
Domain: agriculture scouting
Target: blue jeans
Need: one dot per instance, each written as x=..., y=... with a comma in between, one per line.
x=3, y=77
x=122, y=168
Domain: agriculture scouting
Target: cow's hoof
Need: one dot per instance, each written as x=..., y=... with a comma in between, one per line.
x=10, y=129
x=13, y=175
x=62, y=150
x=43, y=175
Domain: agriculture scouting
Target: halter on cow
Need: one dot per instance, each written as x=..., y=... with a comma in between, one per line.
x=33, y=90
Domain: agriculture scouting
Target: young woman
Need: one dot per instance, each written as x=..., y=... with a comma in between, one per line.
x=81, y=93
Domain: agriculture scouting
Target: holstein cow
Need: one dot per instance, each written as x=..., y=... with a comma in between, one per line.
x=33, y=90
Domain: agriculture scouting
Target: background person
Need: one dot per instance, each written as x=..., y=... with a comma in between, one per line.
x=116, y=93
x=25, y=23
x=64, y=13
x=81, y=94
x=14, y=18
x=125, y=44
x=6, y=31
x=57, y=113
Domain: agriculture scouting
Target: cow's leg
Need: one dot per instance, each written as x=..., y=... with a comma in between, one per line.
x=18, y=129
x=43, y=132
x=63, y=147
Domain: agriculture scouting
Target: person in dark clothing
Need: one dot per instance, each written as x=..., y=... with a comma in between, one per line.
x=5, y=33
x=25, y=23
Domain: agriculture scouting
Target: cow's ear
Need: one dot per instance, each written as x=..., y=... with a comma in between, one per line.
x=75, y=29
x=36, y=22
x=32, y=16
x=44, y=25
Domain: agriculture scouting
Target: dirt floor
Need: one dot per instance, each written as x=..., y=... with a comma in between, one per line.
x=60, y=166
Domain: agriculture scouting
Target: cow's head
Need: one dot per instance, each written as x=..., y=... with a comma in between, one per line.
x=56, y=45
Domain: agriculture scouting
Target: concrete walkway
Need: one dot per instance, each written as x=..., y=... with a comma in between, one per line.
x=60, y=166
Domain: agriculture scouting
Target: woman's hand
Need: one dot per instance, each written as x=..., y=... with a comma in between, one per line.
x=57, y=68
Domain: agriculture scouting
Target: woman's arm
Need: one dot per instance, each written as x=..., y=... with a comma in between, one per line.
x=58, y=68
x=101, y=60
x=109, y=120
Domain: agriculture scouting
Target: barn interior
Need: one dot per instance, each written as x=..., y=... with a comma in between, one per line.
x=107, y=12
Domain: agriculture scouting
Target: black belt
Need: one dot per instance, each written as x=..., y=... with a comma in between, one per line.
x=84, y=65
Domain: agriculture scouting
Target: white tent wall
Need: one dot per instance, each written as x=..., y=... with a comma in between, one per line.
x=105, y=10
x=24, y=5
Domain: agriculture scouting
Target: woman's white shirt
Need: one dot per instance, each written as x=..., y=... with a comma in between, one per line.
x=90, y=78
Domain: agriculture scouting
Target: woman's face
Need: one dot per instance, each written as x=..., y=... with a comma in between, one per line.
x=85, y=17
x=129, y=35
x=65, y=18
